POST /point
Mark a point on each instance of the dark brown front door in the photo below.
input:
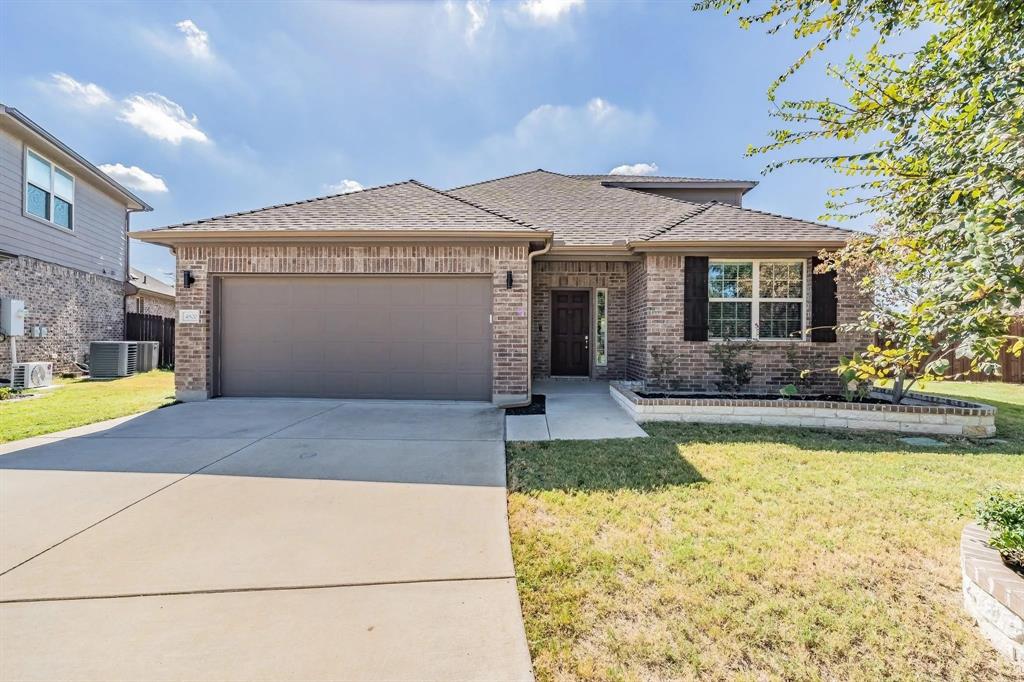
(570, 333)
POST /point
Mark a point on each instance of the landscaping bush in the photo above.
(1002, 513)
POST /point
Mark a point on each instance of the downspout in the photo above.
(529, 325)
(127, 275)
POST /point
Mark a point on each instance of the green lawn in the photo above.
(82, 401)
(748, 553)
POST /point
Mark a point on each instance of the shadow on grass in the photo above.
(641, 464)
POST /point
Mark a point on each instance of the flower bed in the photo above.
(918, 414)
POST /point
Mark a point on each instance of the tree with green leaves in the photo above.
(932, 139)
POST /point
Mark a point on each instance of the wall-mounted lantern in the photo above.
(187, 280)
(508, 279)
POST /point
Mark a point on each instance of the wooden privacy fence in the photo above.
(1013, 366)
(142, 327)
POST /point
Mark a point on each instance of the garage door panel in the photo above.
(360, 336)
(439, 357)
(407, 322)
(375, 293)
(470, 324)
(438, 323)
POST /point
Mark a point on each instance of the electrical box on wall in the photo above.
(12, 317)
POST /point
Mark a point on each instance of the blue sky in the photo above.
(208, 108)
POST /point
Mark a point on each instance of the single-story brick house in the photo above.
(405, 291)
(148, 294)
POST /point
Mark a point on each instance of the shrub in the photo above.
(1002, 513)
(736, 375)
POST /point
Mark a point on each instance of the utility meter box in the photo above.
(12, 317)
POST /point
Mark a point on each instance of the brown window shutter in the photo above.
(823, 304)
(695, 298)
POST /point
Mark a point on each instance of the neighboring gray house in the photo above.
(63, 244)
(149, 295)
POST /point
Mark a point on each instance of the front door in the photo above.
(570, 333)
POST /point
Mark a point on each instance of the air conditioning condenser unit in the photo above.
(31, 374)
(113, 358)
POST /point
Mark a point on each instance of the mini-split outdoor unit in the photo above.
(149, 355)
(31, 374)
(113, 358)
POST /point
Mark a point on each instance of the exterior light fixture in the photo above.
(188, 280)
(508, 279)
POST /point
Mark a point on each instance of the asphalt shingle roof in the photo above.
(402, 206)
(725, 222)
(577, 211)
(583, 212)
(147, 282)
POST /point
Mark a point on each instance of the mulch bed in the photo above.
(537, 406)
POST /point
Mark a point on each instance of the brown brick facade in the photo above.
(510, 329)
(591, 275)
(75, 307)
(658, 282)
(149, 305)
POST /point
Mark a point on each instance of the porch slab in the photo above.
(576, 410)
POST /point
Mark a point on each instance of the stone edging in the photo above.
(993, 594)
(925, 414)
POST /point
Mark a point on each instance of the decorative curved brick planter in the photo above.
(919, 414)
(993, 594)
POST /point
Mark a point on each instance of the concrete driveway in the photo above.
(262, 540)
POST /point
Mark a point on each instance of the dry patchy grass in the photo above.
(745, 553)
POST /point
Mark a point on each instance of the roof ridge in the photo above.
(443, 193)
(668, 228)
(284, 205)
(503, 177)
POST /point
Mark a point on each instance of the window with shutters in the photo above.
(756, 299)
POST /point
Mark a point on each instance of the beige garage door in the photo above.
(425, 338)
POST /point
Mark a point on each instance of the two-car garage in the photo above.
(352, 336)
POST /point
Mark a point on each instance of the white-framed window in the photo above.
(601, 328)
(756, 299)
(49, 191)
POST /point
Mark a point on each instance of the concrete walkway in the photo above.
(576, 410)
(262, 540)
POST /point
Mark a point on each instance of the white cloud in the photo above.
(470, 17)
(548, 11)
(197, 41)
(344, 187)
(134, 177)
(560, 137)
(87, 94)
(161, 118)
(635, 169)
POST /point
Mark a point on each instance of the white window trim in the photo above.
(598, 351)
(756, 299)
(51, 190)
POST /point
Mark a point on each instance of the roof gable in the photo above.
(724, 222)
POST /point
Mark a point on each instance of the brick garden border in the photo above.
(993, 594)
(924, 414)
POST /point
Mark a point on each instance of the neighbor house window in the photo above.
(49, 191)
(601, 303)
(756, 299)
